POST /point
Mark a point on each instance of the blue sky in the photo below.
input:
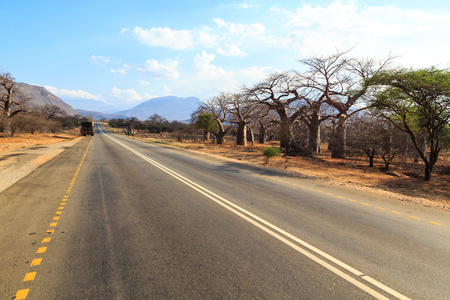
(124, 52)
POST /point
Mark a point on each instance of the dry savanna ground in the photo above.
(404, 183)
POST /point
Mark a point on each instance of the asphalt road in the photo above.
(116, 218)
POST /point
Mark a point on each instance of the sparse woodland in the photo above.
(353, 106)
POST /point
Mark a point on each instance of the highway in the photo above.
(117, 218)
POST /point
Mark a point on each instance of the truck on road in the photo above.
(86, 129)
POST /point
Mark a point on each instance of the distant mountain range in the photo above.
(170, 107)
(96, 116)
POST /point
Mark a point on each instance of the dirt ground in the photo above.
(351, 173)
(24, 140)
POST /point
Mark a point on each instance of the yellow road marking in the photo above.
(36, 262)
(329, 194)
(340, 197)
(395, 212)
(352, 200)
(379, 207)
(53, 224)
(431, 222)
(56, 218)
(319, 191)
(50, 231)
(46, 240)
(41, 250)
(61, 208)
(58, 212)
(412, 217)
(365, 204)
(22, 294)
(63, 203)
(29, 276)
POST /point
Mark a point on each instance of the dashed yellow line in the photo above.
(36, 262)
(41, 250)
(46, 240)
(23, 293)
(29, 276)
(431, 222)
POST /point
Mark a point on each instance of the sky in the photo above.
(124, 52)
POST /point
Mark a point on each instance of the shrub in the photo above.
(269, 152)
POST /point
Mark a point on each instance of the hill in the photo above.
(96, 116)
(39, 96)
(171, 107)
(91, 105)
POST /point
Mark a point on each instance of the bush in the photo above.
(269, 152)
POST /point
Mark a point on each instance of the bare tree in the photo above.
(340, 81)
(11, 99)
(219, 107)
(280, 93)
(51, 111)
(243, 112)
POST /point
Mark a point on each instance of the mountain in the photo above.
(96, 116)
(171, 107)
(91, 105)
(39, 96)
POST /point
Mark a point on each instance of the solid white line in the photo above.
(251, 218)
(385, 288)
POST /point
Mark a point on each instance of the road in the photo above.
(117, 218)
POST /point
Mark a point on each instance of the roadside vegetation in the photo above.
(17, 116)
(358, 112)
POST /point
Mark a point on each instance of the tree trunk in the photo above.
(287, 139)
(339, 139)
(241, 135)
(206, 135)
(262, 134)
(314, 136)
(250, 136)
(371, 161)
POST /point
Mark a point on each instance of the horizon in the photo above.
(123, 54)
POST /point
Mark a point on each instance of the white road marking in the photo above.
(278, 233)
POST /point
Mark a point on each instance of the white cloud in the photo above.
(164, 37)
(420, 37)
(212, 77)
(254, 73)
(205, 37)
(167, 90)
(231, 50)
(143, 82)
(72, 94)
(241, 30)
(128, 95)
(118, 71)
(100, 60)
(152, 68)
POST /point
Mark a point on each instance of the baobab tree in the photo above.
(280, 93)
